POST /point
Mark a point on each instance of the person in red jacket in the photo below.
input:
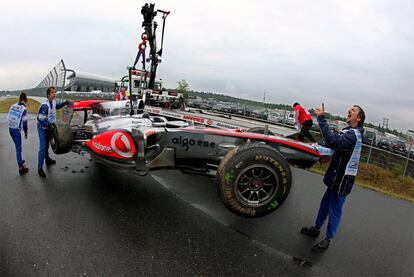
(121, 95)
(303, 119)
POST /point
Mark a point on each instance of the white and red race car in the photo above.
(251, 168)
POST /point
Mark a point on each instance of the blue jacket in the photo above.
(343, 143)
(43, 117)
(22, 115)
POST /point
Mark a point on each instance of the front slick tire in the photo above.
(253, 179)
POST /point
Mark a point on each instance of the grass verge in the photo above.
(376, 178)
(32, 105)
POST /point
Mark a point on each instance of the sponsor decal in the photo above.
(209, 122)
(121, 145)
(194, 118)
(226, 126)
(101, 147)
(114, 144)
(235, 205)
(273, 205)
(152, 110)
(229, 176)
(353, 164)
(170, 114)
(186, 142)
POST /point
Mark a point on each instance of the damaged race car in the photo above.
(251, 168)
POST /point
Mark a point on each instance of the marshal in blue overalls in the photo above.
(17, 120)
(45, 118)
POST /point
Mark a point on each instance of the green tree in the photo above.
(183, 88)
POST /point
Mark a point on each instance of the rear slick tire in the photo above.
(253, 180)
(61, 137)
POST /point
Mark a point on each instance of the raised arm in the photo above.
(345, 141)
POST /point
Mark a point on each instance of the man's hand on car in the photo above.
(68, 102)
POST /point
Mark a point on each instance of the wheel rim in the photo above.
(256, 185)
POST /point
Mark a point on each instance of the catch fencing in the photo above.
(400, 165)
(56, 77)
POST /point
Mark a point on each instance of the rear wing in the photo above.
(85, 105)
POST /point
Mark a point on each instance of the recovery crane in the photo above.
(143, 85)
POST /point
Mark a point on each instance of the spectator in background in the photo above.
(181, 103)
(17, 120)
(303, 120)
(121, 95)
(169, 105)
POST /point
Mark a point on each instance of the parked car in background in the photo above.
(217, 108)
(275, 117)
(384, 143)
(398, 146)
(259, 114)
(290, 119)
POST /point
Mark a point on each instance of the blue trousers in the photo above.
(331, 205)
(43, 145)
(139, 54)
(17, 139)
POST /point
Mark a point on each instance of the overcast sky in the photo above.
(337, 52)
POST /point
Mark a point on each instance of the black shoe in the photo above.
(310, 231)
(50, 161)
(23, 169)
(321, 246)
(41, 173)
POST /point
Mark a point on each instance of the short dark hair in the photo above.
(361, 115)
(23, 97)
(296, 104)
(49, 90)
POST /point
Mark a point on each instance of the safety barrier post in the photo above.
(370, 150)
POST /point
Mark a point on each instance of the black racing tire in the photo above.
(253, 179)
(260, 130)
(61, 137)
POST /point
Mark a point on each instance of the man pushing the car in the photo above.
(341, 173)
(45, 118)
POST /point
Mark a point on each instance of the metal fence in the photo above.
(56, 77)
(399, 164)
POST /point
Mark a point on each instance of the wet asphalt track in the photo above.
(86, 219)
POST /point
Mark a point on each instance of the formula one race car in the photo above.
(251, 167)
